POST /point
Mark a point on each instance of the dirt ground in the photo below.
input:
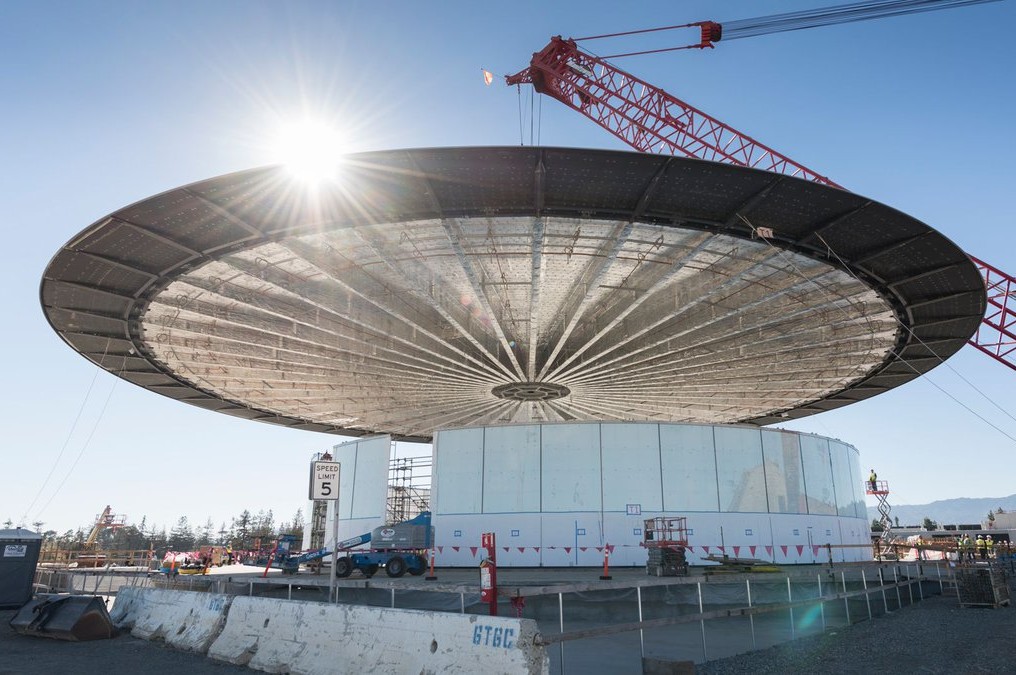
(24, 655)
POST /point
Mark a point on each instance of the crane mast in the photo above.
(649, 119)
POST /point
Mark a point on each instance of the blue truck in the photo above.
(397, 548)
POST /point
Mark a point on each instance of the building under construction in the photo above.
(590, 338)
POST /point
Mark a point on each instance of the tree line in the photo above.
(245, 532)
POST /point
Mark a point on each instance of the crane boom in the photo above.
(644, 116)
(649, 119)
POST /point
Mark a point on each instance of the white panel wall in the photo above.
(458, 471)
(571, 467)
(369, 487)
(363, 486)
(539, 487)
(689, 468)
(511, 469)
(631, 466)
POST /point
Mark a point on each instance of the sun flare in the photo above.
(311, 150)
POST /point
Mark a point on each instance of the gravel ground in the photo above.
(27, 655)
(933, 636)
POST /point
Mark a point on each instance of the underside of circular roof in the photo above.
(448, 287)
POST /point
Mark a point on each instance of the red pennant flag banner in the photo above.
(769, 550)
(800, 549)
(583, 548)
(456, 548)
(506, 549)
(752, 549)
(815, 549)
(440, 549)
(737, 550)
(567, 549)
(705, 549)
(522, 549)
(536, 548)
(784, 548)
(474, 549)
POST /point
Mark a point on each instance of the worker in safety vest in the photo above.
(873, 480)
(968, 552)
(982, 550)
(989, 547)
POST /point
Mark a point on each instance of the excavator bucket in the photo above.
(65, 617)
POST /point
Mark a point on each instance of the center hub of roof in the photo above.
(531, 391)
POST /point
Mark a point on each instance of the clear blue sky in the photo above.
(107, 103)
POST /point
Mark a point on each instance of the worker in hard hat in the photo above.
(989, 547)
(982, 548)
(873, 479)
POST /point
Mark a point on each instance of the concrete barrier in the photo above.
(310, 638)
(185, 620)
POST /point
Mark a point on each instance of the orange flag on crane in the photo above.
(488, 77)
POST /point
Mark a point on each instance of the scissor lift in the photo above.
(880, 490)
(666, 539)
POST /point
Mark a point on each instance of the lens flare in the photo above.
(311, 150)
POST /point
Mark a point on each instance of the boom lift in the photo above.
(398, 548)
(651, 120)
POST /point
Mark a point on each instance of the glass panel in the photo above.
(818, 476)
(689, 468)
(857, 489)
(631, 466)
(511, 469)
(740, 473)
(458, 471)
(784, 477)
(843, 482)
(571, 467)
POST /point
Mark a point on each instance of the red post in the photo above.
(270, 559)
(488, 572)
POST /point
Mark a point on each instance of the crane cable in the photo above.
(88, 440)
(67, 439)
(843, 264)
(535, 118)
(830, 16)
(791, 21)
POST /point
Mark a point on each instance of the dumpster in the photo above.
(19, 554)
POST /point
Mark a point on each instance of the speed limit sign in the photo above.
(324, 480)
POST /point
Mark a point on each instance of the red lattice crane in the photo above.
(650, 120)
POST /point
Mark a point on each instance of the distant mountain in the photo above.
(948, 511)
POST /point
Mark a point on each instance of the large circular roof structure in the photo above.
(446, 287)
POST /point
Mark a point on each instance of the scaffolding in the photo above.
(408, 495)
(408, 488)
